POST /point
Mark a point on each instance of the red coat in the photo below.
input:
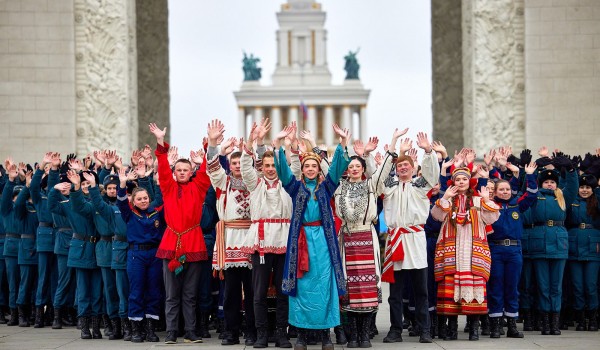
(183, 210)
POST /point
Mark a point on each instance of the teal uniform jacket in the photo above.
(106, 229)
(584, 240)
(27, 219)
(82, 252)
(11, 225)
(551, 242)
(110, 215)
(45, 231)
(62, 226)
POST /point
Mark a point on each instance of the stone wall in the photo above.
(563, 74)
(37, 94)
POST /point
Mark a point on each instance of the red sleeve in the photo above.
(201, 179)
(164, 169)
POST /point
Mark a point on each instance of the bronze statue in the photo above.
(251, 70)
(351, 67)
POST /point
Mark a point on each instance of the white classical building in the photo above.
(302, 77)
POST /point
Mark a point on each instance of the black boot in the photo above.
(442, 326)
(96, 333)
(537, 320)
(494, 327)
(452, 330)
(473, 327)
(281, 339)
(565, 317)
(365, 340)
(117, 331)
(340, 335)
(502, 325)
(512, 331)
(136, 332)
(204, 321)
(312, 337)
(593, 320)
(69, 317)
(485, 325)
(150, 335)
(3, 319)
(39, 317)
(352, 331)
(23, 318)
(262, 339)
(433, 327)
(326, 343)
(57, 322)
(85, 328)
(230, 337)
(527, 320)
(580, 316)
(108, 328)
(126, 328)
(545, 323)
(301, 339)
(48, 316)
(292, 331)
(555, 324)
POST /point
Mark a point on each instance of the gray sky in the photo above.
(207, 38)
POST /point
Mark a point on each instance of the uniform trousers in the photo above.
(45, 269)
(63, 285)
(261, 279)
(89, 292)
(419, 287)
(549, 275)
(181, 290)
(109, 292)
(503, 284)
(3, 297)
(145, 284)
(584, 275)
(12, 277)
(205, 298)
(27, 276)
(122, 283)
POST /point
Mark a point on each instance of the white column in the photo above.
(283, 47)
(346, 117)
(362, 121)
(294, 50)
(328, 133)
(275, 121)
(258, 114)
(293, 114)
(319, 48)
(242, 121)
(311, 123)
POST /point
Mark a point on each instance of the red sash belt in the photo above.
(261, 233)
(220, 243)
(303, 248)
(394, 251)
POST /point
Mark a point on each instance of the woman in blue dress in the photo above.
(313, 273)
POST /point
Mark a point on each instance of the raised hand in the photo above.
(307, 135)
(111, 158)
(439, 147)
(399, 133)
(172, 155)
(371, 144)
(484, 192)
(100, 156)
(344, 134)
(359, 148)
(73, 176)
(513, 168)
(46, 160)
(469, 156)
(197, 157)
(122, 178)
(28, 176)
(483, 172)
(530, 168)
(543, 151)
(12, 172)
(405, 145)
(89, 177)
(423, 142)
(56, 161)
(216, 129)
(451, 192)
(446, 164)
(160, 134)
(75, 164)
(228, 146)
(412, 153)
(378, 159)
(62, 186)
(286, 132)
(262, 130)
(253, 134)
(488, 157)
(140, 170)
(135, 156)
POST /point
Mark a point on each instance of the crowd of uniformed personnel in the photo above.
(237, 237)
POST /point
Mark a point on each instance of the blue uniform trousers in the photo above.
(89, 292)
(12, 276)
(503, 284)
(27, 274)
(3, 298)
(145, 283)
(122, 282)
(431, 284)
(111, 298)
(584, 275)
(65, 276)
(549, 274)
(205, 298)
(45, 267)
(527, 286)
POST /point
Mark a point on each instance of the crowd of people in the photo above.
(283, 240)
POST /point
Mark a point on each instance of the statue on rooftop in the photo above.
(351, 67)
(251, 70)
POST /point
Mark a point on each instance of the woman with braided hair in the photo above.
(462, 259)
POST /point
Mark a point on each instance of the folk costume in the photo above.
(266, 242)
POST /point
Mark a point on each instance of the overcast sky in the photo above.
(207, 38)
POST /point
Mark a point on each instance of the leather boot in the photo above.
(96, 333)
(3, 319)
(433, 329)
(85, 328)
(23, 318)
(150, 335)
(126, 329)
(14, 318)
(593, 320)
(281, 339)
(545, 323)
(301, 339)
(262, 339)
(353, 331)
(473, 327)
(117, 332)
(580, 316)
(326, 343)
(452, 330)
(204, 321)
(69, 317)
(485, 324)
(340, 335)
(230, 337)
(494, 327)
(512, 331)
(136, 332)
(527, 320)
(57, 322)
(108, 328)
(39, 317)
(555, 324)
(48, 315)
(365, 327)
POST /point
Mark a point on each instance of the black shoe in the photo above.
(494, 327)
(527, 320)
(473, 327)
(250, 338)
(593, 320)
(363, 333)
(512, 331)
(580, 316)
(85, 328)
(281, 339)
(96, 333)
(23, 319)
(485, 325)
(57, 322)
(231, 338)
(326, 343)
(262, 339)
(171, 337)
(452, 329)
(301, 340)
(108, 328)
(555, 323)
(3, 319)
(442, 325)
(117, 332)
(126, 328)
(204, 325)
(545, 323)
(39, 317)
(340, 335)
(393, 336)
(14, 318)
(353, 331)
(191, 337)
(150, 335)
(425, 337)
(136, 332)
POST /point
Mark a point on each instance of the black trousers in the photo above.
(181, 290)
(261, 276)
(418, 279)
(237, 278)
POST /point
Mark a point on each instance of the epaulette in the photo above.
(420, 182)
(391, 181)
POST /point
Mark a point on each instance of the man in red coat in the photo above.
(182, 245)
